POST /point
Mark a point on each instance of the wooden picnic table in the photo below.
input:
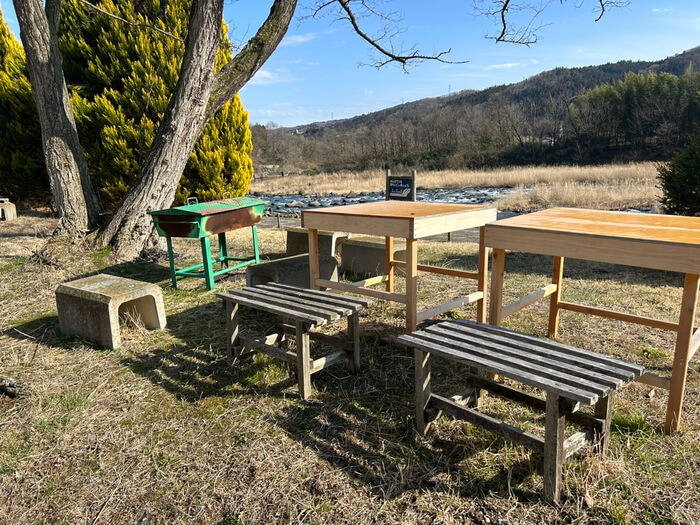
(661, 242)
(410, 221)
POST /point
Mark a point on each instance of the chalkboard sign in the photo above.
(402, 188)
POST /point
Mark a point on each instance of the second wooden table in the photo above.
(410, 221)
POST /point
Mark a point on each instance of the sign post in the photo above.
(401, 187)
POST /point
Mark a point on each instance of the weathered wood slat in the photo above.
(345, 287)
(500, 369)
(579, 440)
(453, 272)
(326, 339)
(527, 370)
(619, 316)
(534, 443)
(528, 300)
(274, 309)
(371, 281)
(547, 345)
(328, 360)
(573, 369)
(274, 351)
(339, 309)
(333, 298)
(451, 305)
(285, 301)
(656, 380)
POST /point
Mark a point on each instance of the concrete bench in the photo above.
(290, 270)
(307, 310)
(571, 378)
(328, 242)
(8, 211)
(91, 307)
(366, 256)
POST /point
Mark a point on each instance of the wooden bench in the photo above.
(307, 309)
(572, 379)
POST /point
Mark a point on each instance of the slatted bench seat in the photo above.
(571, 377)
(308, 310)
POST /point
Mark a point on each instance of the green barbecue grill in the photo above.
(199, 220)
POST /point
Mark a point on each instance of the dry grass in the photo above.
(163, 431)
(604, 187)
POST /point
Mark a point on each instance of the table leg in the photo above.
(422, 373)
(206, 260)
(411, 285)
(557, 275)
(255, 244)
(496, 297)
(171, 259)
(313, 259)
(482, 272)
(681, 355)
(389, 267)
(223, 250)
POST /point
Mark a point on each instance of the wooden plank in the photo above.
(336, 301)
(555, 300)
(576, 442)
(371, 281)
(529, 365)
(453, 272)
(303, 361)
(544, 383)
(654, 380)
(422, 361)
(318, 337)
(549, 360)
(548, 346)
(451, 305)
(603, 411)
(310, 305)
(482, 277)
(619, 316)
(280, 300)
(555, 423)
(528, 300)
(369, 225)
(435, 224)
(354, 341)
(314, 268)
(411, 285)
(278, 310)
(498, 260)
(389, 263)
(515, 434)
(681, 354)
(394, 297)
(321, 294)
(279, 353)
(326, 361)
(694, 344)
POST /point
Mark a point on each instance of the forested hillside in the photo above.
(612, 112)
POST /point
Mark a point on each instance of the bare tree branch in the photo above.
(134, 24)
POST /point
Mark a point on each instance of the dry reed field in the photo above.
(163, 430)
(620, 186)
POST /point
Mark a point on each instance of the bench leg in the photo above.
(303, 361)
(555, 422)
(354, 337)
(555, 298)
(232, 319)
(603, 410)
(422, 365)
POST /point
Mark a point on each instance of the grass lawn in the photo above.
(163, 430)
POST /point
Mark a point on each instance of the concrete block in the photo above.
(291, 270)
(366, 256)
(8, 211)
(91, 307)
(328, 242)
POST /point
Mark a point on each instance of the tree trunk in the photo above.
(72, 191)
(192, 104)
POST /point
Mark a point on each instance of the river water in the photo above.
(291, 205)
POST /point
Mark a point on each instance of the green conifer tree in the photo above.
(121, 75)
(22, 170)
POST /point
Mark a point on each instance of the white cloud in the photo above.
(664, 10)
(295, 40)
(507, 65)
(266, 77)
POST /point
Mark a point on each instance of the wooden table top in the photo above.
(665, 242)
(405, 219)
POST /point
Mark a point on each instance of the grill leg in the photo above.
(171, 259)
(206, 260)
(255, 244)
(223, 250)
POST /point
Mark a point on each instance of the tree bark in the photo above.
(193, 103)
(73, 195)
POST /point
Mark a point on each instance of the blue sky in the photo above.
(316, 74)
